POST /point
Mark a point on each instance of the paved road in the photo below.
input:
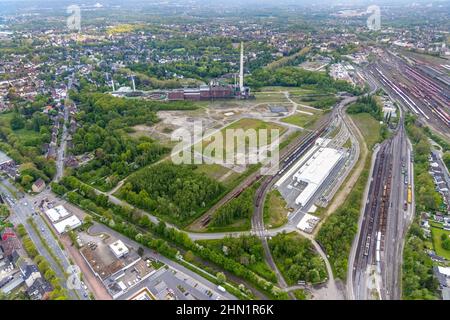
(99, 228)
(61, 153)
(23, 209)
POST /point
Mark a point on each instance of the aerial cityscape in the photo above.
(204, 150)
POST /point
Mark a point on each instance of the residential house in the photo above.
(38, 185)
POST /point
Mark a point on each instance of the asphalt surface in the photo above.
(99, 228)
(23, 209)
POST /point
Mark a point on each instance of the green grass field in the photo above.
(436, 235)
(302, 120)
(218, 172)
(370, 128)
(26, 137)
(275, 212)
(245, 124)
(274, 97)
(292, 90)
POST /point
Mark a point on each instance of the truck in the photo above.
(409, 194)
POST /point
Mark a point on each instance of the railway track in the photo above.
(288, 157)
(371, 238)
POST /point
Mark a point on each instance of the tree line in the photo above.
(418, 280)
(137, 226)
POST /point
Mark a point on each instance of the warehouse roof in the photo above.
(315, 171)
(57, 213)
(71, 222)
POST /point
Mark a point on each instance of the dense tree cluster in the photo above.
(246, 250)
(297, 259)
(238, 208)
(209, 66)
(175, 192)
(22, 137)
(427, 198)
(104, 121)
(116, 155)
(366, 104)
(418, 281)
(296, 77)
(337, 233)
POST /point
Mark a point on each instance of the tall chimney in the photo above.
(241, 71)
(112, 81)
(134, 85)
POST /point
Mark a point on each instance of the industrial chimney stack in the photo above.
(241, 70)
(134, 85)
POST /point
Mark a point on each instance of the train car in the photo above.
(366, 249)
(409, 194)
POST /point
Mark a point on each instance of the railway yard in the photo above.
(376, 257)
(422, 88)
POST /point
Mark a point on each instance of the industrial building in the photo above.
(57, 213)
(314, 172)
(70, 223)
(118, 267)
(214, 90)
(208, 92)
(119, 249)
(62, 219)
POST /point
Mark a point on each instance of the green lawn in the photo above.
(244, 124)
(436, 235)
(302, 120)
(292, 90)
(275, 212)
(216, 172)
(369, 127)
(26, 137)
(243, 224)
(274, 97)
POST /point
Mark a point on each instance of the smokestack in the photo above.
(134, 85)
(241, 71)
(112, 81)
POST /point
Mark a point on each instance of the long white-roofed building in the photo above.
(315, 171)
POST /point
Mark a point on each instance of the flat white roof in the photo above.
(320, 142)
(57, 213)
(71, 222)
(118, 248)
(445, 271)
(315, 171)
(4, 158)
(308, 222)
